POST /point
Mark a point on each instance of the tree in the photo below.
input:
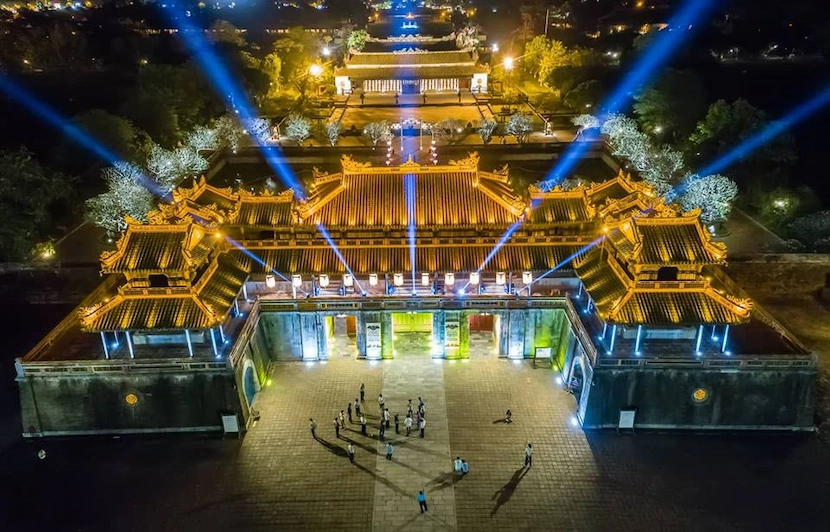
(126, 196)
(156, 117)
(448, 130)
(626, 140)
(520, 125)
(586, 95)
(377, 132)
(586, 121)
(357, 40)
(224, 32)
(259, 129)
(672, 106)
(486, 130)
(169, 168)
(228, 131)
(712, 194)
(298, 128)
(333, 132)
(467, 37)
(661, 168)
(272, 67)
(726, 126)
(117, 134)
(204, 138)
(30, 197)
(813, 230)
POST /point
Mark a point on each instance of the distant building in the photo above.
(411, 54)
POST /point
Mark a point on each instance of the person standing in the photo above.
(528, 455)
(408, 424)
(362, 391)
(425, 98)
(337, 428)
(457, 464)
(422, 425)
(350, 450)
(409, 408)
(386, 417)
(362, 424)
(381, 403)
(356, 407)
(421, 404)
(508, 418)
(312, 425)
(342, 420)
(422, 501)
(397, 424)
(349, 410)
(381, 430)
(465, 468)
(389, 450)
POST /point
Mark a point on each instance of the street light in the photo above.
(508, 63)
(495, 47)
(315, 70)
(326, 51)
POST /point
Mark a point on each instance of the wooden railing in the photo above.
(244, 337)
(75, 367)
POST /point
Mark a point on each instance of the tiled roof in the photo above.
(158, 248)
(219, 290)
(510, 257)
(411, 72)
(602, 282)
(681, 242)
(415, 58)
(257, 212)
(451, 198)
(565, 209)
(142, 313)
(680, 307)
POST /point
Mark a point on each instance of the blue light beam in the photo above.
(65, 126)
(665, 44)
(230, 90)
(409, 191)
(339, 255)
(791, 119)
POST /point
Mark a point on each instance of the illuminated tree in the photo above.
(258, 128)
(377, 132)
(204, 138)
(626, 139)
(225, 32)
(298, 128)
(228, 131)
(448, 130)
(585, 121)
(520, 126)
(357, 40)
(671, 107)
(488, 127)
(467, 37)
(662, 166)
(126, 196)
(333, 132)
(712, 194)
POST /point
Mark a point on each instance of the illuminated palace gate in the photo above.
(620, 293)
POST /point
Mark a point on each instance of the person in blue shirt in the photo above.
(465, 468)
(422, 501)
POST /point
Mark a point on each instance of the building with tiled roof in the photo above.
(608, 284)
(411, 54)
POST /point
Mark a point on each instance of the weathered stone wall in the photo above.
(740, 399)
(281, 336)
(96, 402)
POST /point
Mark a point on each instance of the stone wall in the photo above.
(167, 400)
(734, 399)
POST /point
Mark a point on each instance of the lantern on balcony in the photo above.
(373, 279)
(424, 279)
(449, 279)
(501, 278)
(398, 279)
(474, 278)
(527, 277)
(270, 282)
(297, 280)
(324, 280)
(348, 280)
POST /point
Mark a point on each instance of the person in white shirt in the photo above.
(408, 424)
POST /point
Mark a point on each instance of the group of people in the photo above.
(414, 418)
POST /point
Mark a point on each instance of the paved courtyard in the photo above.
(278, 477)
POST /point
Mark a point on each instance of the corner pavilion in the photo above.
(619, 293)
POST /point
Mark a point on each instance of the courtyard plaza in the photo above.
(278, 477)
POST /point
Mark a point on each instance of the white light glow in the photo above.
(474, 278)
(348, 280)
(527, 277)
(297, 280)
(324, 280)
(270, 282)
(449, 279)
(373, 279)
(501, 278)
(424, 279)
(398, 279)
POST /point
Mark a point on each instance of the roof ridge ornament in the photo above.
(351, 165)
(470, 162)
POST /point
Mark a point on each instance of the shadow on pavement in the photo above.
(507, 490)
(444, 480)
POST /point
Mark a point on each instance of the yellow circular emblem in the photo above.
(700, 395)
(131, 399)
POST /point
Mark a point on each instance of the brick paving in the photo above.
(279, 478)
